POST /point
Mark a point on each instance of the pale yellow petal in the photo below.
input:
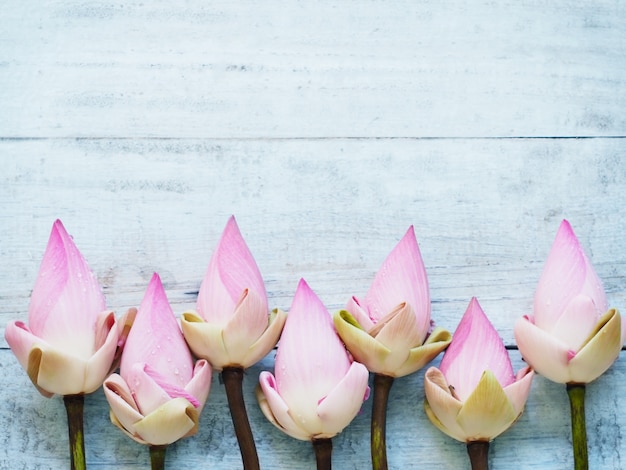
(600, 350)
(170, 422)
(487, 412)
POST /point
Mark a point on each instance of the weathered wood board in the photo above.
(327, 129)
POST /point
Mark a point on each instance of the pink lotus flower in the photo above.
(474, 395)
(70, 343)
(317, 389)
(233, 326)
(389, 330)
(571, 336)
(159, 394)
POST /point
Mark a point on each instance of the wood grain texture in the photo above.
(485, 213)
(323, 69)
(327, 129)
(539, 440)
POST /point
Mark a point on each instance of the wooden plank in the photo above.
(329, 69)
(540, 439)
(485, 213)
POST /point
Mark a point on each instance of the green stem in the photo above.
(478, 452)
(382, 385)
(323, 449)
(74, 408)
(576, 393)
(233, 382)
(157, 457)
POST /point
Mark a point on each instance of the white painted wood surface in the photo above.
(327, 128)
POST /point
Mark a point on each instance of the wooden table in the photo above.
(327, 128)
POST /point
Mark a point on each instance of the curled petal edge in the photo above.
(275, 409)
(170, 422)
(344, 401)
(363, 347)
(436, 342)
(441, 406)
(205, 340)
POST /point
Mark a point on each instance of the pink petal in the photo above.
(518, 391)
(66, 298)
(475, 348)
(546, 354)
(200, 383)
(155, 339)
(311, 359)
(20, 340)
(171, 389)
(576, 323)
(566, 274)
(232, 269)
(147, 392)
(401, 278)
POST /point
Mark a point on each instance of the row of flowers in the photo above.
(72, 345)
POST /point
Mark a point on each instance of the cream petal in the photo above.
(362, 346)
(436, 342)
(117, 423)
(249, 321)
(440, 406)
(343, 403)
(268, 339)
(487, 412)
(121, 401)
(99, 365)
(399, 333)
(543, 352)
(58, 372)
(275, 409)
(205, 340)
(434, 419)
(170, 422)
(600, 351)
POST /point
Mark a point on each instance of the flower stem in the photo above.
(74, 408)
(323, 449)
(157, 457)
(479, 454)
(576, 393)
(233, 381)
(382, 385)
